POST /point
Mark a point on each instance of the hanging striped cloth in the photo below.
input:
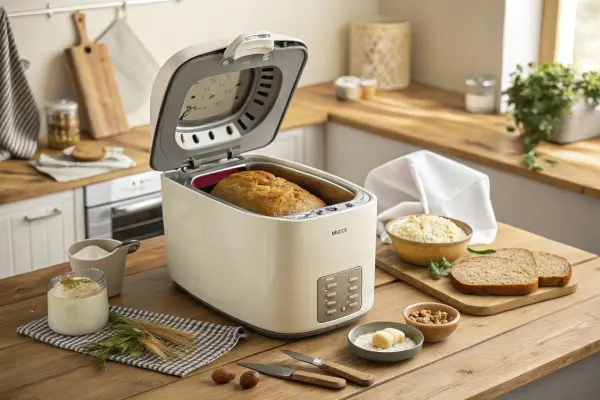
(19, 117)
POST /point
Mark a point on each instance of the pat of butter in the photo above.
(383, 339)
(398, 335)
(92, 252)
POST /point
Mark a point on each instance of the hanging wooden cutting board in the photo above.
(95, 84)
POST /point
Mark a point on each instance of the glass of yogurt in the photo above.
(78, 302)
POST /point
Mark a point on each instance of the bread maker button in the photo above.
(343, 308)
(329, 278)
(353, 279)
(354, 304)
(352, 288)
(331, 311)
(331, 209)
(349, 205)
(331, 294)
(330, 303)
(331, 285)
(353, 296)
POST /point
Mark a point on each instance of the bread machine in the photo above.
(291, 276)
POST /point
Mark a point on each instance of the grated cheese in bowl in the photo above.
(428, 229)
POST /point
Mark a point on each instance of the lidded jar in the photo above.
(63, 124)
(480, 94)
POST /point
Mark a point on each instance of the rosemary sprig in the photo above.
(136, 337)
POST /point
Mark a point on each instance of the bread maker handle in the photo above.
(248, 44)
(137, 207)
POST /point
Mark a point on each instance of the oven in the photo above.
(125, 208)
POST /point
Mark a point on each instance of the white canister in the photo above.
(480, 94)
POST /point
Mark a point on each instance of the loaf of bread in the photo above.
(263, 193)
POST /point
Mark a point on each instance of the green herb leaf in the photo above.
(552, 160)
(511, 128)
(434, 269)
(487, 251)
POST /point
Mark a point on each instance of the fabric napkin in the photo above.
(212, 342)
(63, 168)
(424, 180)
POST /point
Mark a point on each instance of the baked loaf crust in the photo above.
(263, 193)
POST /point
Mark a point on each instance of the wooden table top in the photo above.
(552, 334)
(423, 116)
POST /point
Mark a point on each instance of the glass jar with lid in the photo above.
(63, 124)
(480, 94)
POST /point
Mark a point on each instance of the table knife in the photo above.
(299, 376)
(336, 369)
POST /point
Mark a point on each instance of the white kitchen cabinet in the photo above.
(302, 145)
(562, 215)
(36, 233)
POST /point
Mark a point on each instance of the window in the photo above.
(570, 33)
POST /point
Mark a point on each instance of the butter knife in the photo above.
(299, 376)
(336, 369)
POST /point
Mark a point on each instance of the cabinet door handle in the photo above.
(53, 213)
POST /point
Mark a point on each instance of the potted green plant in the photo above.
(552, 102)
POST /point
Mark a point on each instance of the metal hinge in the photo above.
(210, 158)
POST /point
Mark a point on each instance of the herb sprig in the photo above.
(486, 251)
(439, 269)
(137, 337)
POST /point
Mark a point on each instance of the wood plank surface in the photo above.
(56, 373)
(25, 286)
(494, 367)
(390, 300)
(443, 290)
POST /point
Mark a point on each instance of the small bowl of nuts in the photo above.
(436, 321)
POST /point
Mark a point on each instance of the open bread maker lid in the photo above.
(215, 101)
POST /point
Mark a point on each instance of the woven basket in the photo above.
(385, 45)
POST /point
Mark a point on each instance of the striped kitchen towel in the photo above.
(19, 117)
(213, 340)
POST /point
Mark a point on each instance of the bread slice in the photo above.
(523, 256)
(553, 270)
(492, 275)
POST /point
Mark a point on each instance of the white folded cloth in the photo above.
(63, 168)
(425, 182)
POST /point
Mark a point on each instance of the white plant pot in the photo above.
(582, 124)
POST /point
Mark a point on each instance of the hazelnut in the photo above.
(221, 376)
(249, 379)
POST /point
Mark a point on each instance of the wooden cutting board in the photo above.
(95, 84)
(442, 289)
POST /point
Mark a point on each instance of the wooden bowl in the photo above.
(421, 253)
(433, 333)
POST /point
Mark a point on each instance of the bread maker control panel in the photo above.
(339, 294)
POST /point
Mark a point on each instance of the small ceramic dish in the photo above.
(433, 332)
(421, 253)
(385, 356)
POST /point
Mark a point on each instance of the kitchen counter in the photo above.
(431, 118)
(485, 357)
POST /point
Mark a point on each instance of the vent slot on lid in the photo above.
(229, 130)
(267, 77)
(263, 94)
(265, 85)
(250, 116)
(259, 102)
(182, 138)
(211, 135)
(195, 138)
(242, 124)
(268, 69)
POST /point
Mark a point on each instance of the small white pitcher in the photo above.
(113, 264)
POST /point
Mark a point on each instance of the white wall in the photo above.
(452, 39)
(167, 27)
